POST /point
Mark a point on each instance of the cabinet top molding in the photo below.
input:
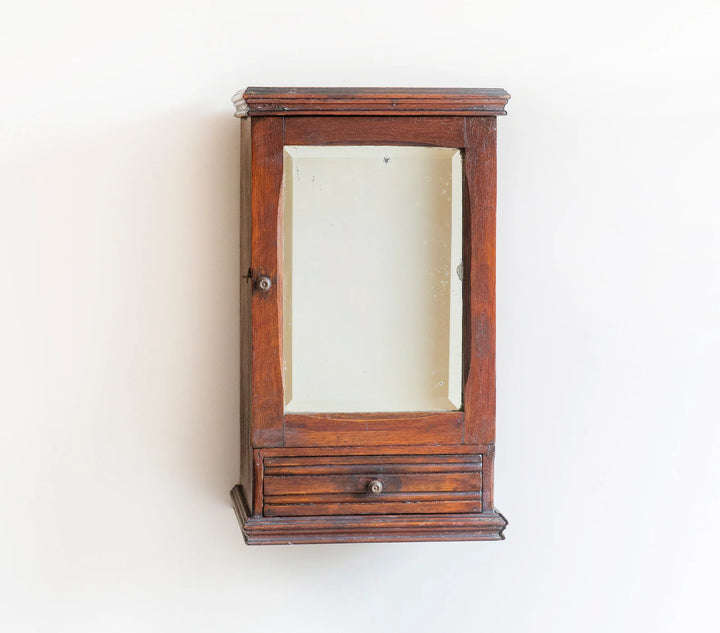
(371, 101)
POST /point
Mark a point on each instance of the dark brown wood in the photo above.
(463, 449)
(304, 477)
(259, 476)
(479, 281)
(409, 130)
(411, 485)
(366, 464)
(354, 497)
(288, 102)
(489, 480)
(304, 430)
(357, 483)
(373, 428)
(246, 457)
(241, 507)
(364, 528)
(410, 428)
(349, 497)
(267, 390)
(375, 467)
(275, 465)
(385, 507)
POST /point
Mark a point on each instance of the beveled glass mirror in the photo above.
(372, 278)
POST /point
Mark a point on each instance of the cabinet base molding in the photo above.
(261, 530)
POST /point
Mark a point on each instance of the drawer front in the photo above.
(393, 484)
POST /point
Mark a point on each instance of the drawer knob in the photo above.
(375, 487)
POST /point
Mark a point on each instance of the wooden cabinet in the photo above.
(367, 314)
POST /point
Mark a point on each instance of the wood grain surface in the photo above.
(305, 476)
(288, 102)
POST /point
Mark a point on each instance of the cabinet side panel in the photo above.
(479, 289)
(488, 465)
(246, 458)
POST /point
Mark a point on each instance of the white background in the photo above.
(119, 346)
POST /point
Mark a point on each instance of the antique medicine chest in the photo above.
(367, 314)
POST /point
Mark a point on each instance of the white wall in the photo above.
(119, 345)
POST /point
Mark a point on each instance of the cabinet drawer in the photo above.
(403, 484)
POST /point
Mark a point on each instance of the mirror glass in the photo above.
(372, 278)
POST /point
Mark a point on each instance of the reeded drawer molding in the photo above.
(260, 530)
(339, 485)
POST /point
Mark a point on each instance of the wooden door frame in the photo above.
(475, 424)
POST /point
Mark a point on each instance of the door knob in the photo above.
(264, 283)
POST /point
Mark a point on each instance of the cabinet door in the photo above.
(373, 264)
